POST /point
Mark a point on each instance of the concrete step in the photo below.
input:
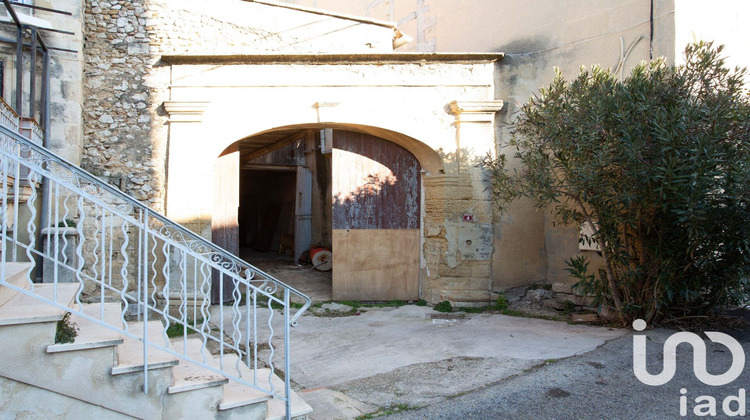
(91, 334)
(15, 274)
(130, 352)
(24, 309)
(235, 393)
(195, 391)
(276, 407)
(237, 396)
(189, 376)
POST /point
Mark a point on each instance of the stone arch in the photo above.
(428, 158)
(402, 239)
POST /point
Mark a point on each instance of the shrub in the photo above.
(659, 164)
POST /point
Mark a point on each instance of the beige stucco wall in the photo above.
(537, 36)
(408, 103)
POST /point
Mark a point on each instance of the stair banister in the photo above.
(155, 274)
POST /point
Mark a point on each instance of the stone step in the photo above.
(91, 334)
(130, 352)
(24, 309)
(277, 409)
(15, 274)
(235, 393)
(189, 376)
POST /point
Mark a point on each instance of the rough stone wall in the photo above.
(125, 85)
(119, 140)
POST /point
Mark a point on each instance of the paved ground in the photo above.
(345, 367)
(598, 385)
(489, 366)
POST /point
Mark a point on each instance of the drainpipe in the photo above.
(19, 71)
(45, 97)
(32, 75)
(44, 219)
(651, 33)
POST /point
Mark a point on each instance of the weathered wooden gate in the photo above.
(376, 219)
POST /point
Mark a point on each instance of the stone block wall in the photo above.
(457, 249)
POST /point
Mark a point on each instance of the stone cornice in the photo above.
(185, 111)
(475, 111)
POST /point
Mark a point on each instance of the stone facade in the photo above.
(126, 84)
(154, 122)
(457, 216)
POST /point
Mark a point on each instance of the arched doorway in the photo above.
(352, 191)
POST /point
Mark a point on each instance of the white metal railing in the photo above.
(126, 252)
(31, 130)
(8, 117)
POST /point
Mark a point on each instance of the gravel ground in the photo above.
(598, 385)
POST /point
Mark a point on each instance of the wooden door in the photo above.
(303, 213)
(376, 219)
(224, 224)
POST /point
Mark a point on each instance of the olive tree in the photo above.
(659, 164)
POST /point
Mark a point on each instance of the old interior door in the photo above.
(376, 216)
(303, 213)
(225, 230)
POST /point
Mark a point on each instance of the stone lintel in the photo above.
(378, 58)
(186, 111)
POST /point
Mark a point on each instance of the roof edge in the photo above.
(333, 58)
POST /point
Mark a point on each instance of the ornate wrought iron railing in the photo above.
(117, 249)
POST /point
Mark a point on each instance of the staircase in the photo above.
(100, 374)
(149, 342)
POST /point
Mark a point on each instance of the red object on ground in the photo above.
(322, 258)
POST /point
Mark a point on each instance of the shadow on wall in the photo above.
(375, 205)
(460, 160)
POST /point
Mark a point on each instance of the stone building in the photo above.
(537, 36)
(303, 120)
(234, 116)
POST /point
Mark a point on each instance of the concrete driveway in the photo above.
(345, 367)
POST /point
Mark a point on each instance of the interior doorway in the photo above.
(266, 211)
